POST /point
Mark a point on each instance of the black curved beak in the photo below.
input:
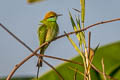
(59, 14)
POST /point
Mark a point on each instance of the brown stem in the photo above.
(23, 61)
(76, 70)
(103, 22)
(88, 70)
(89, 38)
(60, 59)
(14, 36)
(17, 66)
(75, 75)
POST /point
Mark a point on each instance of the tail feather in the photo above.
(39, 63)
(38, 72)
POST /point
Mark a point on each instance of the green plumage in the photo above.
(47, 31)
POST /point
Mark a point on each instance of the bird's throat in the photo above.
(52, 19)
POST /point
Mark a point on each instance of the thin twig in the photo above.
(76, 10)
(77, 71)
(60, 76)
(89, 40)
(88, 69)
(38, 72)
(75, 75)
(98, 23)
(93, 67)
(102, 61)
(17, 66)
(31, 55)
(20, 41)
(60, 59)
(21, 63)
(24, 60)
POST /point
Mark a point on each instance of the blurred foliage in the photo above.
(34, 1)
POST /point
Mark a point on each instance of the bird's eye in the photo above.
(51, 16)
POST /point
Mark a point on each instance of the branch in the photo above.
(88, 70)
(20, 41)
(60, 59)
(103, 22)
(17, 66)
(21, 63)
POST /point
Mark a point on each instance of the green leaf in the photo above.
(111, 56)
(75, 28)
(82, 2)
(75, 46)
(72, 21)
(78, 22)
(80, 36)
(110, 53)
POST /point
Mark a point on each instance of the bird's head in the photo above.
(51, 16)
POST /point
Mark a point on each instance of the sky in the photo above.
(23, 20)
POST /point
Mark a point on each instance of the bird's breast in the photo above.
(52, 31)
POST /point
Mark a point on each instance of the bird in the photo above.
(47, 31)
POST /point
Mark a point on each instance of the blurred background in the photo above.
(23, 20)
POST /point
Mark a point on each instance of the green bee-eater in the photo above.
(47, 31)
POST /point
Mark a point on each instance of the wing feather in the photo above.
(42, 30)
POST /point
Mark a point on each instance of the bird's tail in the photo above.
(39, 63)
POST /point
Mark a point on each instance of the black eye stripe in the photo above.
(51, 16)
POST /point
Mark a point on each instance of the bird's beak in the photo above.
(59, 14)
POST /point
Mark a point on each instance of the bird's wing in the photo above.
(42, 30)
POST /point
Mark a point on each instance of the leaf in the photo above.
(82, 2)
(75, 46)
(34, 1)
(72, 21)
(75, 28)
(110, 53)
(111, 56)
